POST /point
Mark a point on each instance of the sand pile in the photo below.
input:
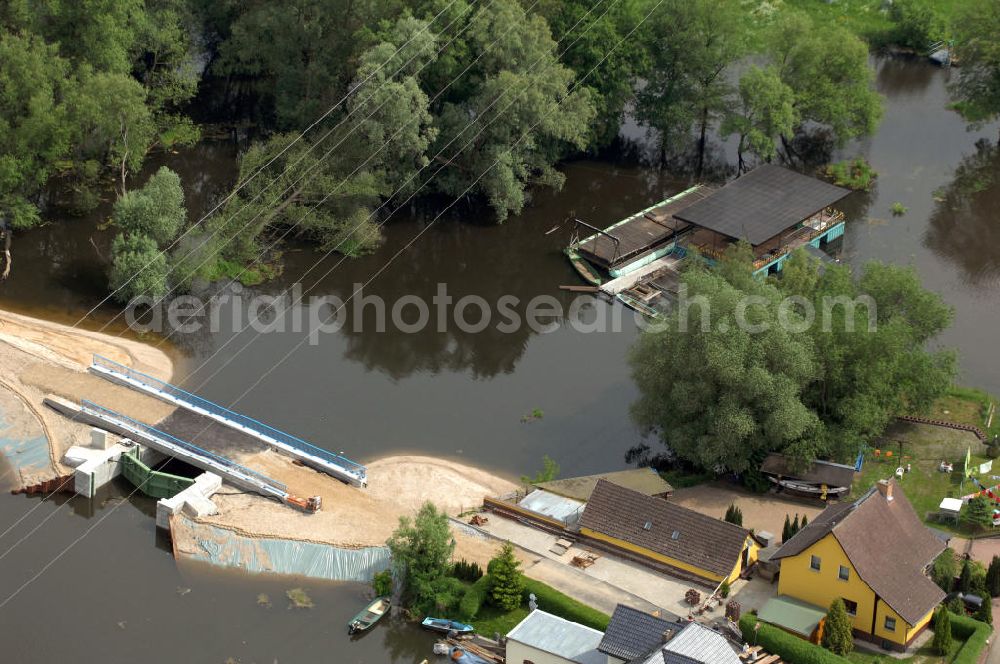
(353, 517)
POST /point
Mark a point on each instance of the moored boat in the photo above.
(368, 616)
(444, 625)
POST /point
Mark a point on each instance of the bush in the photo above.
(943, 570)
(724, 589)
(837, 635)
(734, 515)
(854, 174)
(789, 648)
(467, 571)
(993, 577)
(382, 583)
(918, 25)
(942, 632)
(473, 598)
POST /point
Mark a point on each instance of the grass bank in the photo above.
(869, 19)
(489, 619)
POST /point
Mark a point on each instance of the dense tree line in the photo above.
(477, 98)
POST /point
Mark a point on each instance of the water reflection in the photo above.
(963, 226)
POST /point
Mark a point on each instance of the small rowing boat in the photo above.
(369, 615)
(445, 626)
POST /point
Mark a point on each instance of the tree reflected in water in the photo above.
(964, 227)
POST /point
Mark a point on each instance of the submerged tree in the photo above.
(766, 112)
(870, 337)
(148, 220)
(512, 115)
(329, 187)
(586, 30)
(829, 74)
(690, 45)
(722, 382)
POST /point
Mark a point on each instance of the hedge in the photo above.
(554, 602)
(474, 598)
(790, 648)
(974, 633)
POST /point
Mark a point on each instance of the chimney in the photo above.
(667, 635)
(885, 488)
(765, 537)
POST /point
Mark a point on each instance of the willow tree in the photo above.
(722, 381)
(513, 114)
(828, 71)
(690, 44)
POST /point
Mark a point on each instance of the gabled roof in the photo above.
(664, 527)
(632, 633)
(887, 545)
(558, 636)
(697, 643)
(644, 480)
(766, 201)
(817, 472)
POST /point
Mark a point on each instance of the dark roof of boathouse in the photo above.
(757, 206)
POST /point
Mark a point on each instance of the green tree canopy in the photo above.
(871, 340)
(829, 73)
(156, 210)
(138, 267)
(421, 552)
(526, 115)
(690, 43)
(809, 367)
(34, 134)
(766, 112)
(148, 219)
(506, 581)
(297, 54)
(944, 569)
(942, 632)
(977, 91)
(720, 395)
(585, 40)
(837, 631)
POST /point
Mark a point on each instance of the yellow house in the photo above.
(874, 554)
(693, 544)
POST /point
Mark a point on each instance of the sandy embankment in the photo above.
(38, 358)
(352, 517)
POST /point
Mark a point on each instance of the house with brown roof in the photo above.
(873, 553)
(676, 538)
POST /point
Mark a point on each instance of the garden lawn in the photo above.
(924, 486)
(967, 405)
(490, 619)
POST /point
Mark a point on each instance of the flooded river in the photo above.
(119, 598)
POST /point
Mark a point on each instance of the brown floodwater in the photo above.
(119, 596)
